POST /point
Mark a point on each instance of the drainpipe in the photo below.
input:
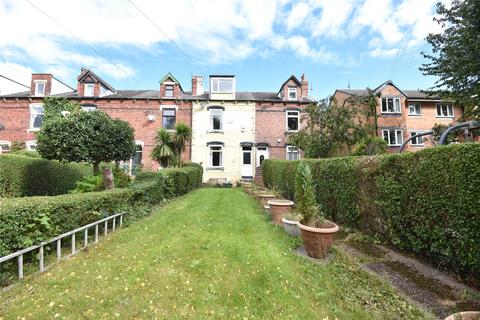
(426, 133)
(469, 124)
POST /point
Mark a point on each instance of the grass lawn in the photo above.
(208, 255)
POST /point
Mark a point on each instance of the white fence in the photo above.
(19, 254)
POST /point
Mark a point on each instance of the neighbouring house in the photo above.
(233, 132)
(403, 113)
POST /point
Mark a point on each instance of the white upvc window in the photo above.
(418, 141)
(414, 109)
(391, 105)
(5, 146)
(444, 110)
(89, 90)
(216, 119)
(293, 120)
(393, 137)
(31, 145)
(37, 115)
(40, 87)
(88, 107)
(216, 156)
(292, 153)
(222, 85)
(169, 91)
(292, 93)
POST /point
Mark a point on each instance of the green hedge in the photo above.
(426, 202)
(28, 220)
(28, 176)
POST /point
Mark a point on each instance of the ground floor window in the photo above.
(418, 141)
(5, 146)
(293, 153)
(216, 155)
(137, 157)
(393, 137)
(31, 145)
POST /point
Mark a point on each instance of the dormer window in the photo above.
(292, 93)
(169, 91)
(222, 85)
(40, 88)
(89, 88)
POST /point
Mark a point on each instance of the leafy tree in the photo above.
(455, 56)
(170, 146)
(370, 146)
(91, 137)
(55, 105)
(331, 128)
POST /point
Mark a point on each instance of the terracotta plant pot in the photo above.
(318, 240)
(264, 197)
(465, 315)
(291, 227)
(279, 208)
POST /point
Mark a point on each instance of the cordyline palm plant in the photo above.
(163, 151)
(305, 196)
(183, 134)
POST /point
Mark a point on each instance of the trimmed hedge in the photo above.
(28, 176)
(427, 202)
(29, 220)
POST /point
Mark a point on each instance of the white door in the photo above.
(262, 154)
(247, 165)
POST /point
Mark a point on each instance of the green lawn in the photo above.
(209, 255)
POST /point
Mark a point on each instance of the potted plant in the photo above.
(290, 224)
(465, 315)
(278, 208)
(317, 232)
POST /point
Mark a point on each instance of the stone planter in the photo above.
(466, 315)
(318, 240)
(264, 197)
(279, 208)
(291, 227)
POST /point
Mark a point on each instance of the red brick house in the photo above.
(403, 113)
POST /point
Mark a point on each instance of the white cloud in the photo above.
(15, 72)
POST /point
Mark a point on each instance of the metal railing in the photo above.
(19, 254)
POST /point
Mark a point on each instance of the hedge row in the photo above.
(26, 221)
(426, 202)
(28, 176)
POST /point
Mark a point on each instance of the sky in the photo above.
(132, 44)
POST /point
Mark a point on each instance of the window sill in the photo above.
(292, 131)
(391, 113)
(215, 131)
(33, 129)
(394, 145)
(445, 117)
(214, 168)
(414, 115)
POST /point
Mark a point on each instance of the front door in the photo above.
(262, 154)
(247, 167)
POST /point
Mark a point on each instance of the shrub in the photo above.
(425, 202)
(26, 153)
(305, 195)
(370, 146)
(26, 176)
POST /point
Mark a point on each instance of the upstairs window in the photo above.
(391, 105)
(444, 110)
(414, 109)
(418, 141)
(169, 91)
(40, 88)
(222, 85)
(292, 93)
(89, 90)
(36, 116)
(293, 153)
(216, 119)
(168, 119)
(293, 120)
(393, 137)
(5, 146)
(216, 156)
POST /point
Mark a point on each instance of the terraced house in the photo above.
(403, 113)
(233, 132)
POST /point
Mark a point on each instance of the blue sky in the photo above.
(133, 43)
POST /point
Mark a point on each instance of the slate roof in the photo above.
(89, 72)
(409, 94)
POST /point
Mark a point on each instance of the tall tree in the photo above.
(455, 55)
(91, 137)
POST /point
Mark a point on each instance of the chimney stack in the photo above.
(41, 85)
(304, 86)
(197, 85)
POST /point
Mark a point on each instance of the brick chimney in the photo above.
(80, 90)
(197, 85)
(41, 85)
(304, 82)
